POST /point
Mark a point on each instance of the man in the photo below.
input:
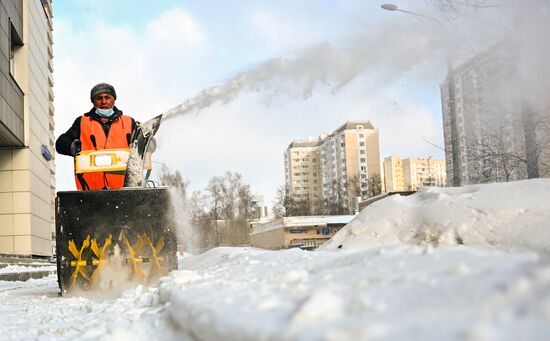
(103, 127)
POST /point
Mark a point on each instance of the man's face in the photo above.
(104, 101)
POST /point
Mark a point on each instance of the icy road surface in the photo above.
(443, 264)
(32, 310)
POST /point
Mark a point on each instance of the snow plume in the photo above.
(532, 24)
(384, 53)
(519, 29)
(187, 234)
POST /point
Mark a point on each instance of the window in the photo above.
(15, 47)
(362, 144)
(362, 159)
(361, 136)
(362, 152)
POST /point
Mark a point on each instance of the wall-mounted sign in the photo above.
(296, 231)
(46, 153)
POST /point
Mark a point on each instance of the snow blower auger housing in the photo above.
(110, 239)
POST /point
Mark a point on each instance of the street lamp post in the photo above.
(456, 179)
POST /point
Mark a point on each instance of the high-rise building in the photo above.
(302, 169)
(411, 174)
(394, 177)
(424, 172)
(336, 168)
(27, 178)
(491, 133)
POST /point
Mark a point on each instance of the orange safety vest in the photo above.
(92, 137)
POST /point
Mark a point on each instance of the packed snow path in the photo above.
(33, 310)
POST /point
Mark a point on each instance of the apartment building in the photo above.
(394, 174)
(492, 131)
(302, 169)
(335, 168)
(411, 174)
(27, 178)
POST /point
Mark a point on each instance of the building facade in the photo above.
(300, 232)
(302, 169)
(394, 174)
(27, 172)
(491, 133)
(335, 168)
(411, 174)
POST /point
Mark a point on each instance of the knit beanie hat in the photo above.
(102, 88)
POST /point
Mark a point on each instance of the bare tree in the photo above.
(230, 198)
(453, 9)
(374, 185)
(354, 186)
(335, 202)
(174, 180)
(288, 205)
(197, 205)
(283, 202)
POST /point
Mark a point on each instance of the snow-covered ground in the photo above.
(22, 268)
(467, 263)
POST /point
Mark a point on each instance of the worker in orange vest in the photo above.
(103, 127)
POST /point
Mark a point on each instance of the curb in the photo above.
(25, 276)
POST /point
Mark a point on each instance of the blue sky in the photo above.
(159, 53)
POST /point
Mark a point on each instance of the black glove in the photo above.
(75, 147)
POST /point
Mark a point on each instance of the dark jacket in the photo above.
(63, 143)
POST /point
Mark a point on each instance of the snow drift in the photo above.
(514, 217)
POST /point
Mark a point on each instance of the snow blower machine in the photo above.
(111, 239)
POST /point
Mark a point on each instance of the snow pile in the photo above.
(389, 293)
(514, 217)
(15, 268)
